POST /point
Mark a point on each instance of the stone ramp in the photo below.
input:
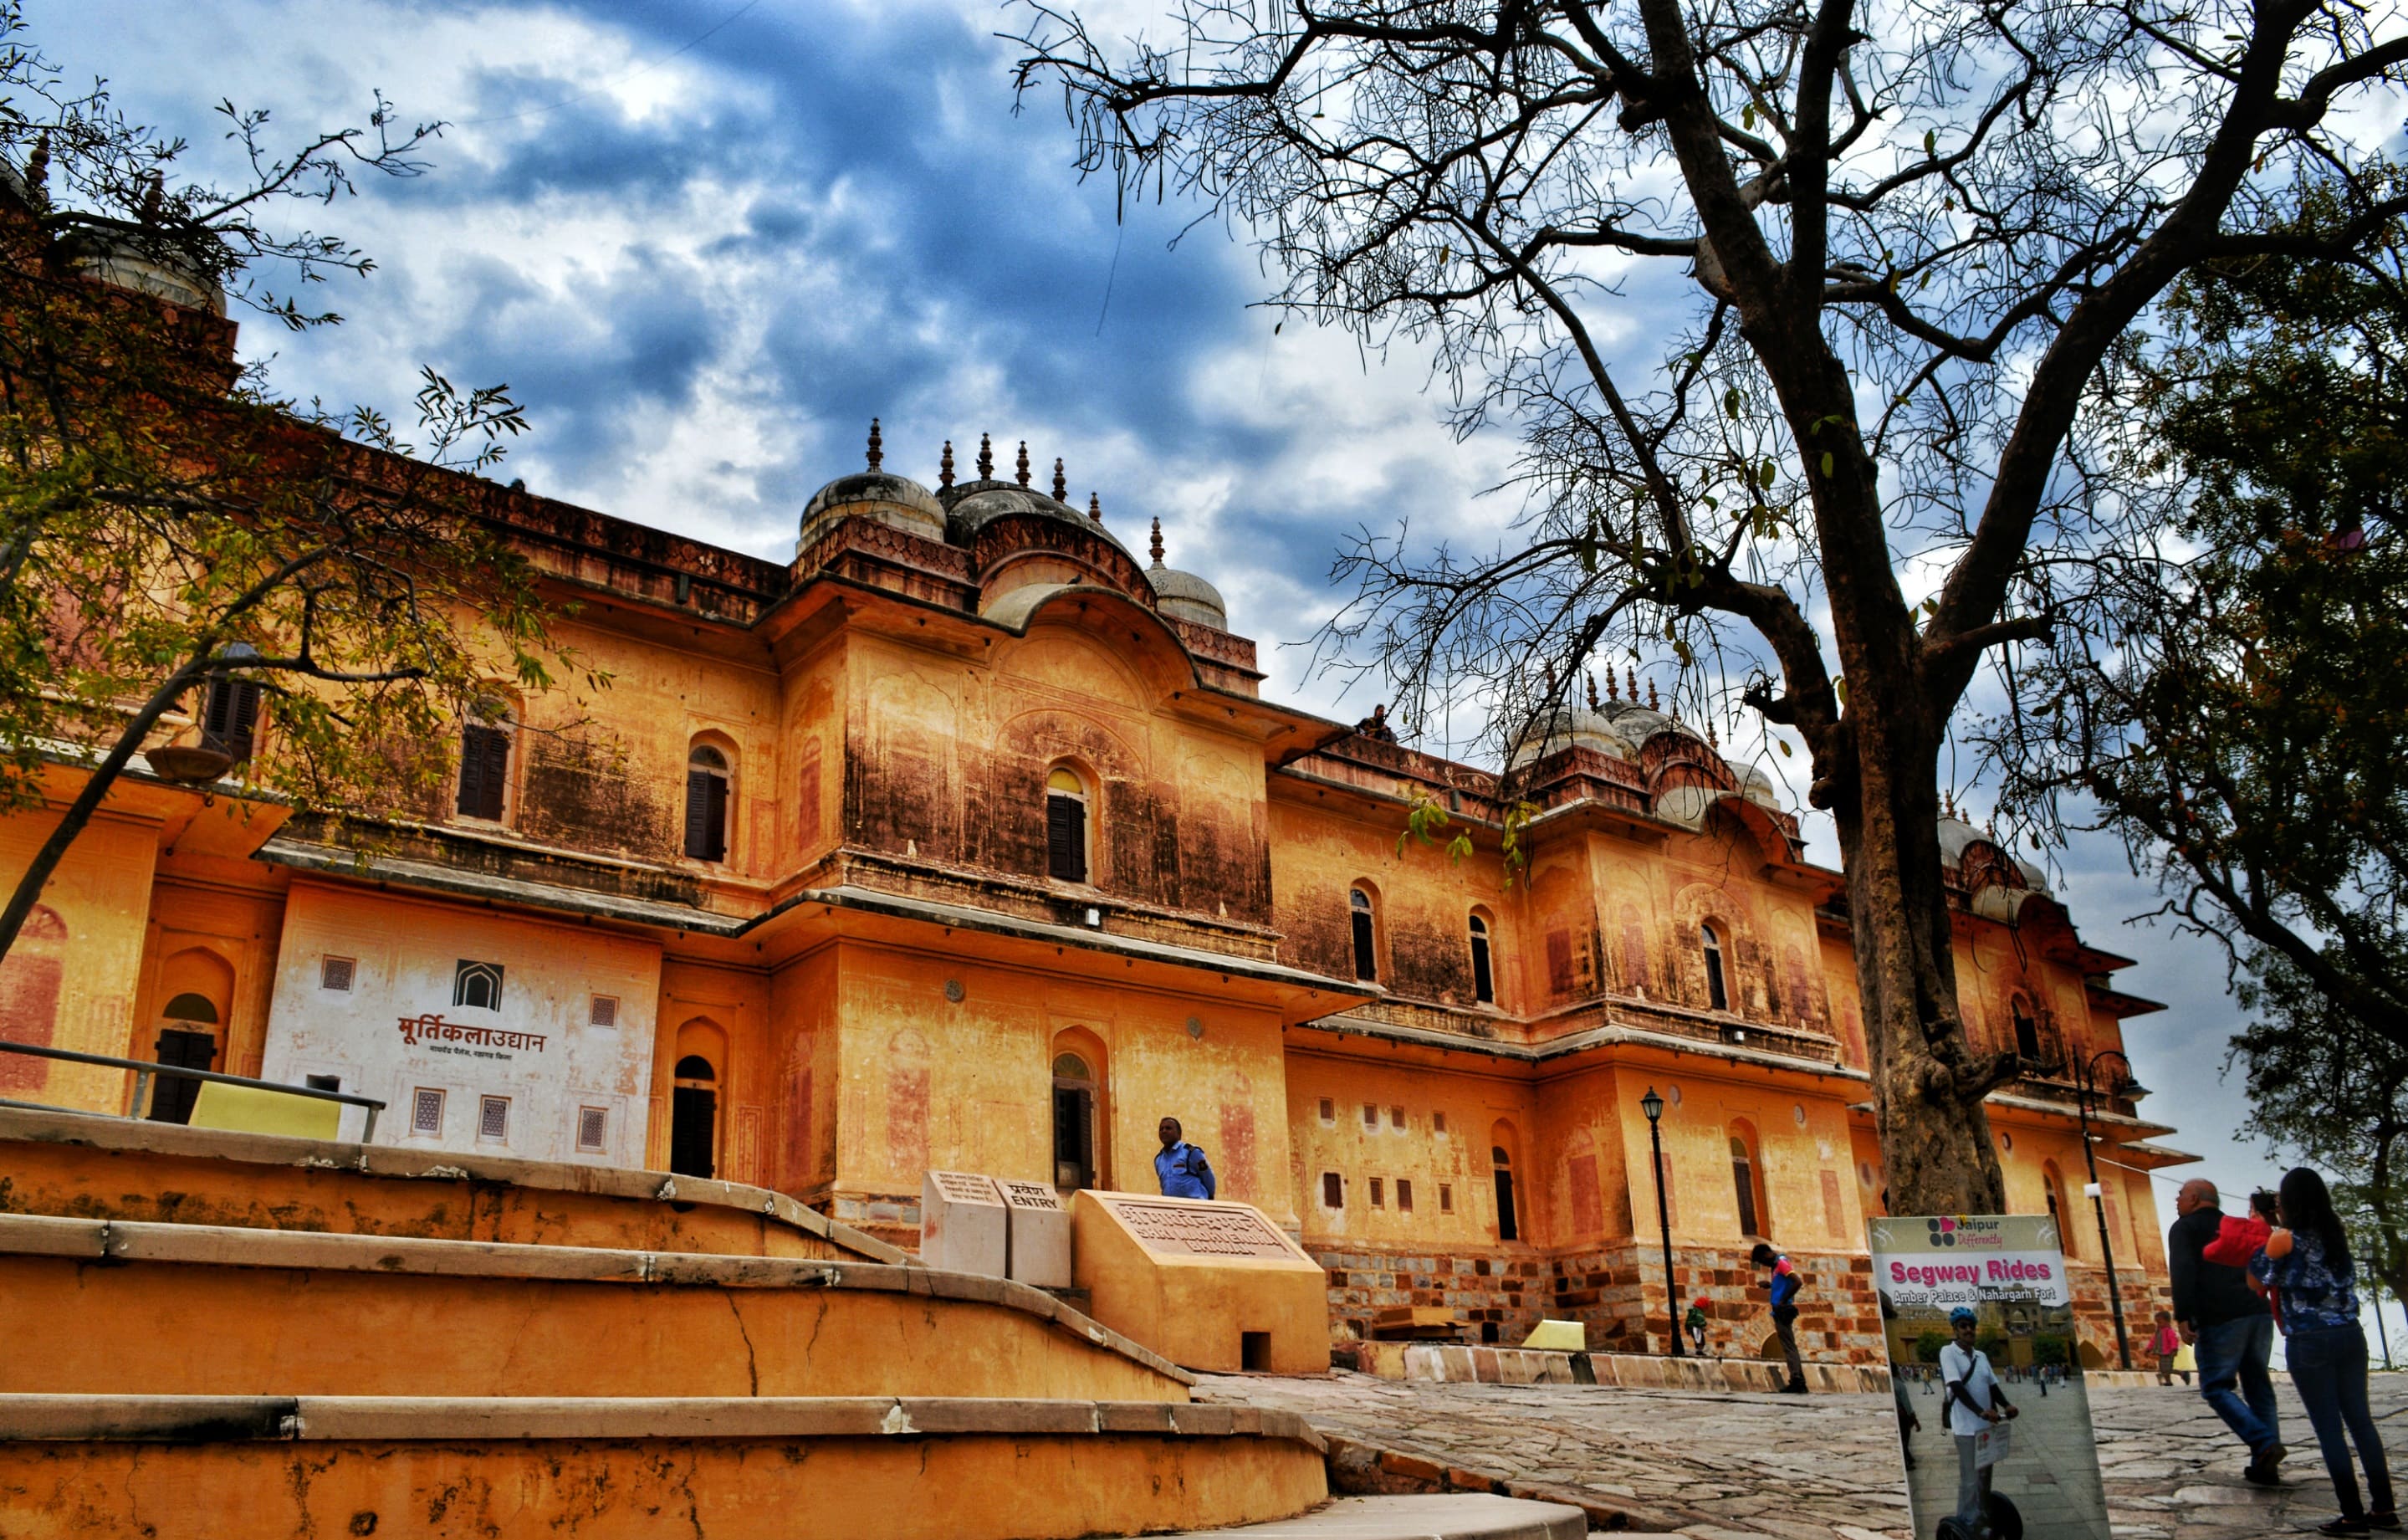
(222, 1310)
(913, 1468)
(1462, 1517)
(114, 1167)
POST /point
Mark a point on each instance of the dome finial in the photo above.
(1632, 674)
(1155, 544)
(1095, 507)
(1591, 679)
(1613, 685)
(876, 446)
(945, 467)
(986, 459)
(1022, 469)
(1061, 484)
(1653, 704)
(1714, 741)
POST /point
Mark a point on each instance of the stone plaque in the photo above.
(963, 1225)
(1201, 1230)
(1040, 1234)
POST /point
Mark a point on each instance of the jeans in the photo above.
(2329, 1369)
(2237, 1349)
(1785, 1324)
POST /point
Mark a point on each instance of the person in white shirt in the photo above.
(1973, 1402)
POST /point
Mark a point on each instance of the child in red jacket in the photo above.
(2240, 1237)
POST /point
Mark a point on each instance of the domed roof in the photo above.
(1567, 727)
(1956, 834)
(983, 502)
(873, 493)
(1183, 594)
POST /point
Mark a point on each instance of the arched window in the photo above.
(694, 1118)
(1074, 1122)
(1483, 979)
(2068, 1233)
(1366, 941)
(476, 984)
(1065, 825)
(1747, 1183)
(2026, 1030)
(1717, 992)
(188, 1040)
(706, 804)
(1508, 1226)
(485, 765)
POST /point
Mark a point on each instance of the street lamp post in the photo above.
(1652, 1105)
(2085, 1085)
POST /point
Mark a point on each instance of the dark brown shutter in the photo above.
(1065, 838)
(1367, 961)
(706, 816)
(1484, 985)
(484, 771)
(232, 713)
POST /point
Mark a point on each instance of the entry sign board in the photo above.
(2044, 1462)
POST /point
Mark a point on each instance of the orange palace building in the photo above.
(967, 840)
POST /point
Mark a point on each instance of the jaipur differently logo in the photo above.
(1944, 1231)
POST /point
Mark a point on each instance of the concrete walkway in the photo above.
(1740, 1467)
(1458, 1515)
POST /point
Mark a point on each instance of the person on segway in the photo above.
(1973, 1402)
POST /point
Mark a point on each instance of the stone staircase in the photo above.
(224, 1334)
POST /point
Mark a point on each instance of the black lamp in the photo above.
(1652, 1105)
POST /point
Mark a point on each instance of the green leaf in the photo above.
(1931, 141)
(1730, 402)
(1765, 474)
(1826, 462)
(1784, 743)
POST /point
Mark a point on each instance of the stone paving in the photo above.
(1768, 1467)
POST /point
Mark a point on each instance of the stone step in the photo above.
(112, 1168)
(1454, 1517)
(914, 1468)
(225, 1310)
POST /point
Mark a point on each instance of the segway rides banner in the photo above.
(1992, 1411)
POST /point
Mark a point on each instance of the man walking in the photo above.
(1181, 1168)
(1784, 1285)
(2216, 1308)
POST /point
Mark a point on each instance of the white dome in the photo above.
(889, 498)
(1187, 596)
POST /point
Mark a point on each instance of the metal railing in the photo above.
(144, 1069)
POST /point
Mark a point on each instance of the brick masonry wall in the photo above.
(1616, 1291)
(1505, 1288)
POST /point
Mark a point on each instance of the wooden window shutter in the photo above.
(484, 771)
(715, 829)
(1065, 838)
(697, 814)
(231, 715)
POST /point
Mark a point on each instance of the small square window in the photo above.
(1378, 1195)
(604, 1012)
(1438, 1122)
(1370, 1118)
(426, 1111)
(1404, 1195)
(493, 1117)
(1329, 1111)
(336, 973)
(1397, 1118)
(1333, 1190)
(591, 1123)
(1445, 1198)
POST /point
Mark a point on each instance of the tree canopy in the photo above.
(1879, 256)
(175, 538)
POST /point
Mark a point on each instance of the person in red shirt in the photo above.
(2166, 1342)
(2239, 1238)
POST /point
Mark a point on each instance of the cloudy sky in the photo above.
(706, 242)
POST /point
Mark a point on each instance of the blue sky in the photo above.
(704, 266)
